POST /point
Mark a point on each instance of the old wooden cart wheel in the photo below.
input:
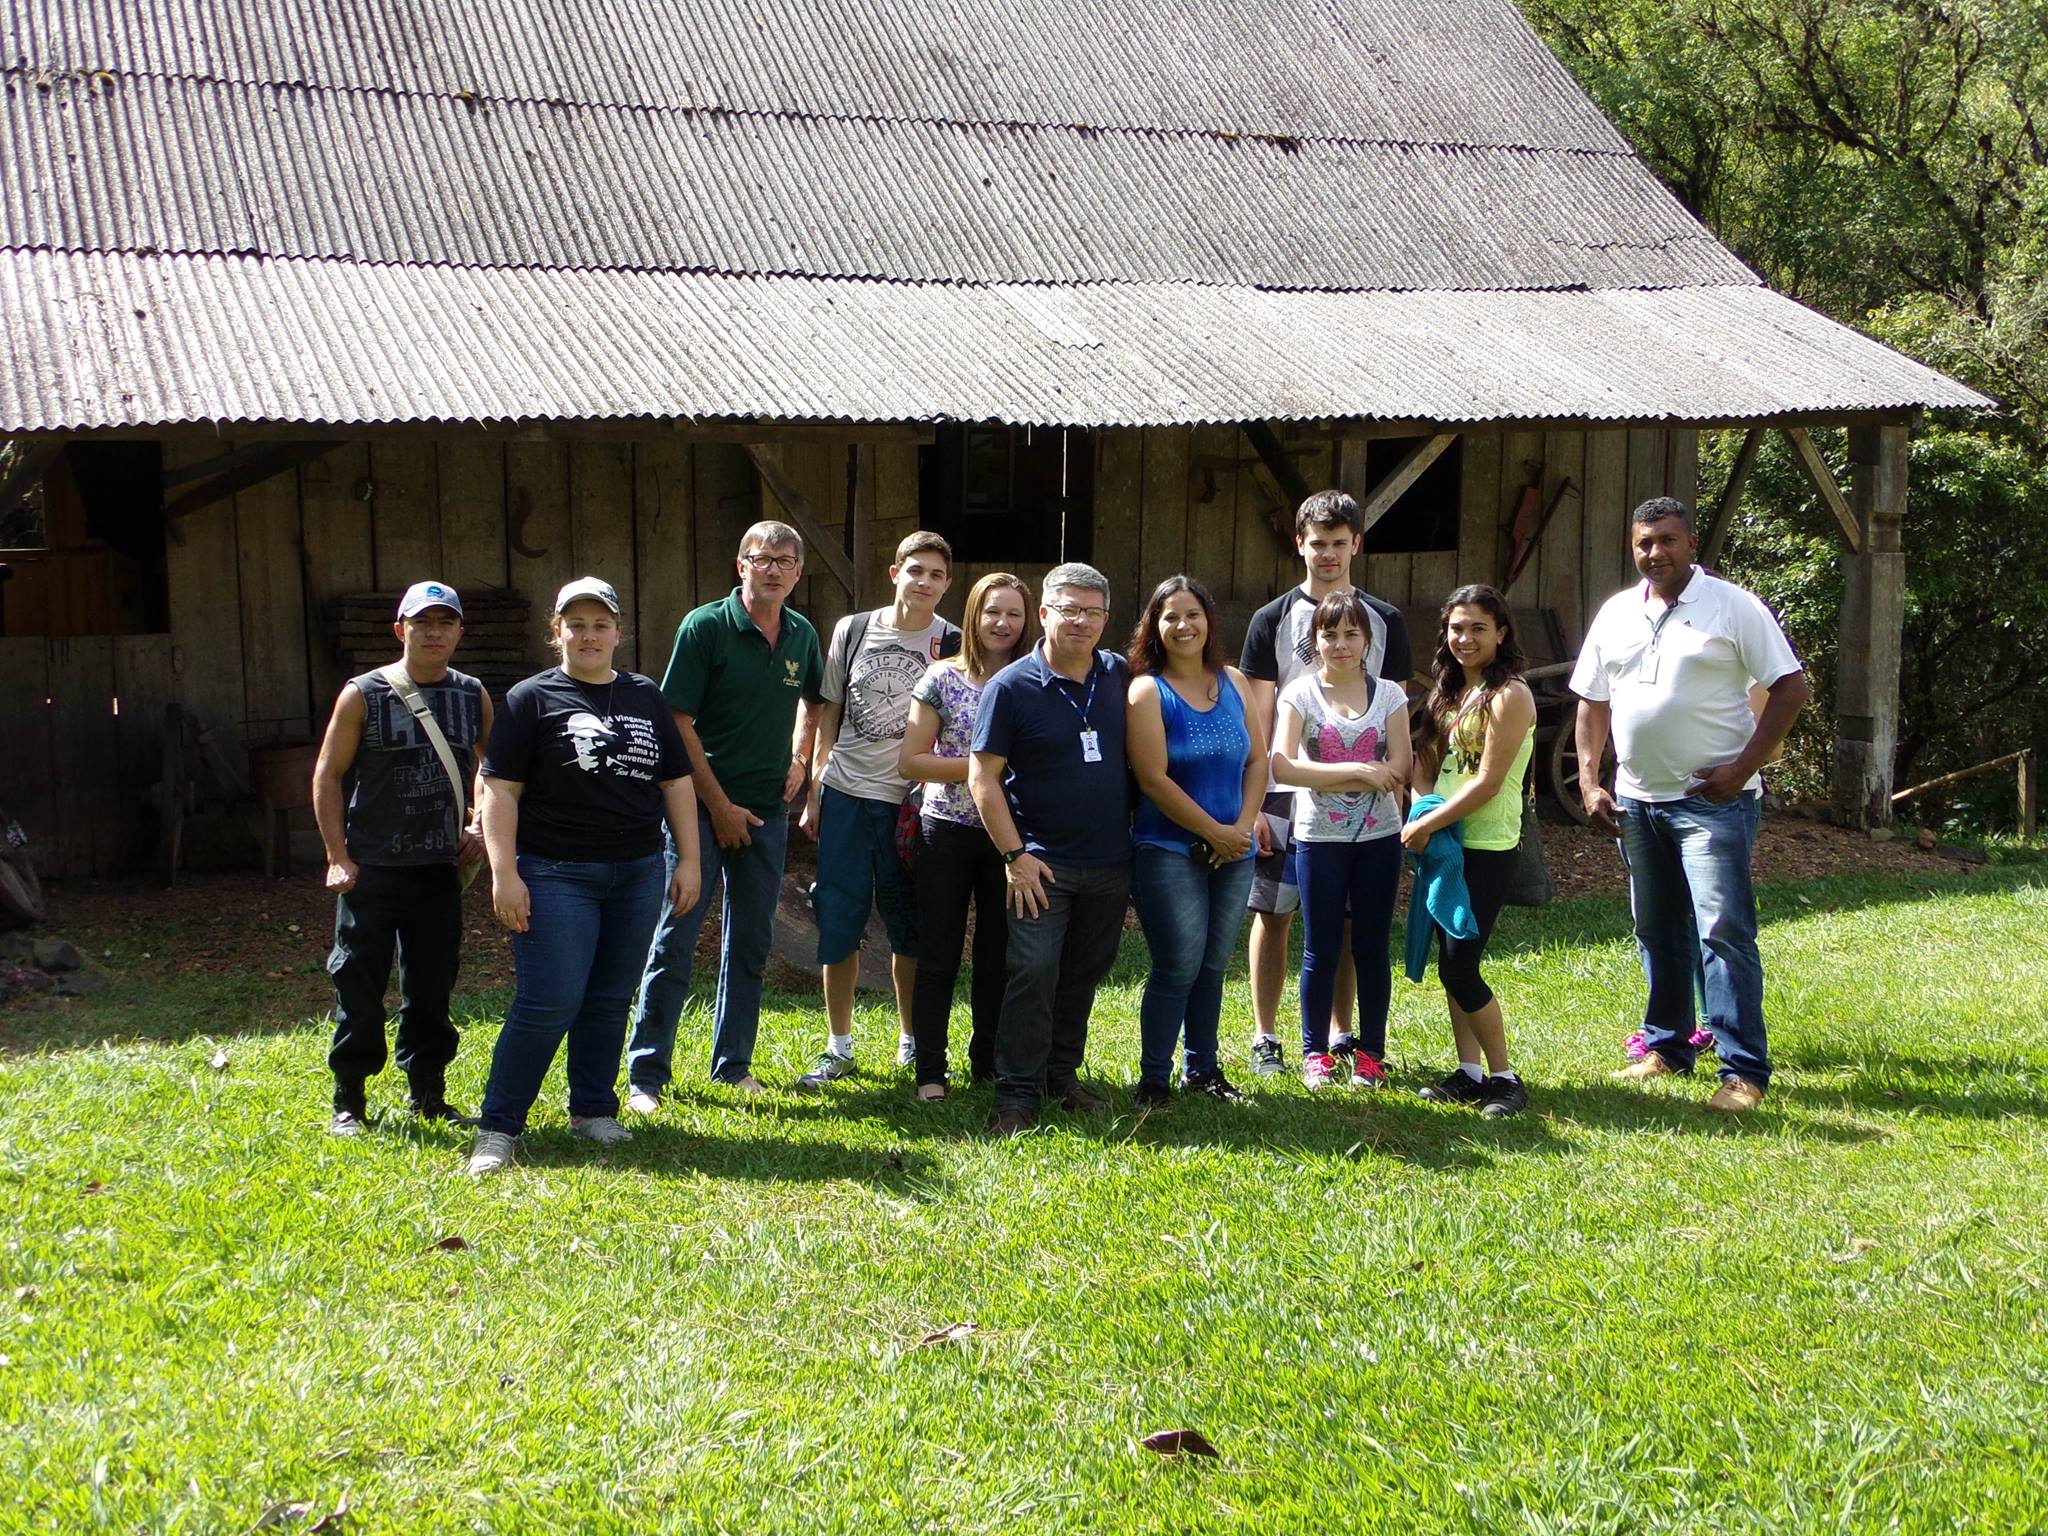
(1564, 772)
(21, 890)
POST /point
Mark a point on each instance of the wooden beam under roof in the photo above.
(1823, 480)
(818, 543)
(1406, 473)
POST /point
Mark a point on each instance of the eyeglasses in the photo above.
(1075, 615)
(772, 562)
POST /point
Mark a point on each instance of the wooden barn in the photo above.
(304, 300)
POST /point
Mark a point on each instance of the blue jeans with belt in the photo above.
(575, 966)
(1192, 914)
(1695, 914)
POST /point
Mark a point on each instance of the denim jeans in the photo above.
(416, 911)
(1358, 880)
(1056, 961)
(1688, 874)
(574, 966)
(956, 865)
(752, 877)
(1192, 914)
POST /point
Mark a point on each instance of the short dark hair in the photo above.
(1329, 509)
(1148, 655)
(1657, 508)
(1339, 607)
(924, 541)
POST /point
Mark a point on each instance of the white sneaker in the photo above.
(491, 1151)
(1318, 1070)
(906, 1051)
(643, 1101)
(602, 1129)
(830, 1069)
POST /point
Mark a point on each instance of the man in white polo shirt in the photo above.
(1667, 667)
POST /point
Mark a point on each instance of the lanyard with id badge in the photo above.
(1646, 669)
(1091, 739)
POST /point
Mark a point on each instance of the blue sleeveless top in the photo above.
(1206, 752)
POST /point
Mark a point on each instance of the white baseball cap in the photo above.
(588, 586)
(422, 595)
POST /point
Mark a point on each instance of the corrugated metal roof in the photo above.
(1427, 71)
(133, 164)
(150, 340)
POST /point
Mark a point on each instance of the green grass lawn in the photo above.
(1612, 1314)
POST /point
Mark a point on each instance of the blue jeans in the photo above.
(575, 966)
(753, 883)
(1192, 914)
(1056, 961)
(1358, 880)
(1695, 912)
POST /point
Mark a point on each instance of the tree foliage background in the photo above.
(1885, 162)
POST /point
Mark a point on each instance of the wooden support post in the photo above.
(2030, 794)
(1716, 531)
(819, 544)
(1824, 482)
(1279, 483)
(1405, 474)
(1873, 619)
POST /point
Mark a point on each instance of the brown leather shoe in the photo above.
(1652, 1065)
(1736, 1096)
(1012, 1122)
(1075, 1097)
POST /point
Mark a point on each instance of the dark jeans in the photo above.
(957, 864)
(1192, 914)
(416, 911)
(1056, 961)
(1487, 872)
(575, 966)
(1336, 878)
(752, 882)
(1695, 911)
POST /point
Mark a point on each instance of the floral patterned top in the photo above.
(953, 699)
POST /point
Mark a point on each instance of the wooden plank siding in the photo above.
(28, 772)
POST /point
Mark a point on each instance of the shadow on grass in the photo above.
(671, 1151)
(1886, 1083)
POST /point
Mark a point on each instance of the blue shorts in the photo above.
(859, 867)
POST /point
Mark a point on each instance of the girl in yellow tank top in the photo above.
(1480, 719)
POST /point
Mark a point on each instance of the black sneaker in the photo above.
(1266, 1058)
(1216, 1086)
(348, 1122)
(441, 1109)
(1458, 1087)
(1503, 1096)
(1151, 1096)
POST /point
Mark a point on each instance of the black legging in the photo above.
(1457, 960)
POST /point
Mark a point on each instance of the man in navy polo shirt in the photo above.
(1047, 774)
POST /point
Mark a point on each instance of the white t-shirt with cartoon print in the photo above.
(873, 690)
(1328, 816)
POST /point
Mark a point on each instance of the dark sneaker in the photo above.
(1457, 1087)
(1012, 1122)
(1216, 1086)
(1267, 1061)
(1075, 1097)
(442, 1110)
(347, 1122)
(1151, 1096)
(1503, 1096)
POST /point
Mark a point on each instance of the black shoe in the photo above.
(348, 1122)
(1151, 1096)
(1503, 1096)
(1216, 1086)
(1458, 1087)
(441, 1109)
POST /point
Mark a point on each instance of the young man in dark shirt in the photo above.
(395, 827)
(1279, 646)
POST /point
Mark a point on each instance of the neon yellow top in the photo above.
(1496, 825)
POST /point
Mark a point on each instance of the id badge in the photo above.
(1646, 670)
(1091, 747)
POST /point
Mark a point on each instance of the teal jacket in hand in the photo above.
(1439, 897)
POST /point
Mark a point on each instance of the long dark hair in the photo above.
(1448, 685)
(1148, 655)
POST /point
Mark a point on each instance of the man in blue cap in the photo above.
(394, 794)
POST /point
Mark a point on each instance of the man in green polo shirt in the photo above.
(745, 683)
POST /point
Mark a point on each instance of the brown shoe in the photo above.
(1736, 1096)
(1652, 1065)
(1012, 1122)
(1075, 1097)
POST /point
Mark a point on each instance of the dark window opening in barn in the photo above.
(1425, 519)
(1017, 495)
(97, 566)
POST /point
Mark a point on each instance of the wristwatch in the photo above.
(1012, 855)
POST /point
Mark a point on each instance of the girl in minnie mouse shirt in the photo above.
(1343, 736)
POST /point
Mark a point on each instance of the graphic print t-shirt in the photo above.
(401, 807)
(1280, 642)
(875, 691)
(1327, 737)
(592, 758)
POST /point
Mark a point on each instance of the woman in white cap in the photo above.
(583, 767)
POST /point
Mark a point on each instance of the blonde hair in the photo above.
(973, 659)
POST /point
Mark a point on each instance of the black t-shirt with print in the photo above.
(592, 758)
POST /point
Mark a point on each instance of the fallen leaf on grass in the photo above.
(451, 1244)
(1858, 1246)
(92, 1187)
(333, 1520)
(1180, 1442)
(281, 1511)
(952, 1333)
(219, 1063)
(26, 1293)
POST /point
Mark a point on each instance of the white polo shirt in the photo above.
(1678, 685)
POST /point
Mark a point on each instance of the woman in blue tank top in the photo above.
(1201, 769)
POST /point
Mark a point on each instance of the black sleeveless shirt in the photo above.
(401, 807)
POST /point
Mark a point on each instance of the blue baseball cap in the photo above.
(422, 595)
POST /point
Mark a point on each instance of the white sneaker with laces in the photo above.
(602, 1129)
(643, 1101)
(491, 1151)
(1318, 1070)
(830, 1069)
(906, 1051)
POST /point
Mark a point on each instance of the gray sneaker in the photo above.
(830, 1069)
(492, 1151)
(1266, 1058)
(602, 1129)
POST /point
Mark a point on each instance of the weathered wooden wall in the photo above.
(660, 518)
